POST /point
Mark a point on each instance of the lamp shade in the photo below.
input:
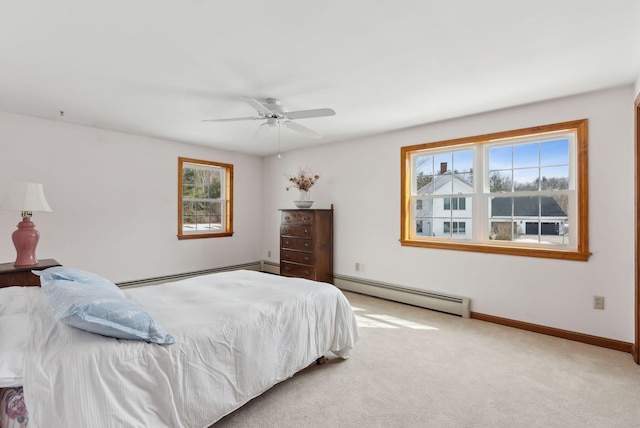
(26, 197)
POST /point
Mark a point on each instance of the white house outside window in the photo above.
(516, 192)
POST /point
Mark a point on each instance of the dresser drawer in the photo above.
(306, 217)
(298, 257)
(296, 243)
(303, 230)
(290, 269)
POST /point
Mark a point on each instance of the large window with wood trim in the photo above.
(521, 192)
(205, 199)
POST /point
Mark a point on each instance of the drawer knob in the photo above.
(306, 245)
(287, 218)
(306, 259)
(306, 272)
(306, 231)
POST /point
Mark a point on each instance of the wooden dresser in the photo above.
(21, 275)
(306, 244)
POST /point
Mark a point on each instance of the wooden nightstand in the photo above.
(21, 275)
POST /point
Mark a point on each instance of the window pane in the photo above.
(425, 223)
(555, 178)
(500, 158)
(554, 153)
(502, 230)
(526, 179)
(208, 216)
(442, 180)
(424, 165)
(500, 181)
(562, 204)
(187, 191)
(462, 162)
(460, 230)
(526, 207)
(442, 163)
(424, 184)
(188, 215)
(525, 155)
(447, 204)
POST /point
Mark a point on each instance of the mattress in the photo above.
(236, 335)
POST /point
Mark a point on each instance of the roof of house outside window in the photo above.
(526, 207)
(441, 180)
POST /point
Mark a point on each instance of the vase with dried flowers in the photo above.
(303, 181)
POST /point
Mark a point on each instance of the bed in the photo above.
(236, 334)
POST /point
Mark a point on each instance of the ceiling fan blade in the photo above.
(301, 129)
(232, 119)
(258, 106)
(305, 114)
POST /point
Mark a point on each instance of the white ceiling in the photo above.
(158, 67)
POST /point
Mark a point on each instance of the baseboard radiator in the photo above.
(426, 299)
(430, 300)
(161, 279)
(455, 305)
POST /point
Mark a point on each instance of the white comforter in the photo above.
(237, 334)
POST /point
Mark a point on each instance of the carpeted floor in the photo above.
(418, 368)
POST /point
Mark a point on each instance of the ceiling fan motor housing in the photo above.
(275, 106)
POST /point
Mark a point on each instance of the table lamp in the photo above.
(27, 198)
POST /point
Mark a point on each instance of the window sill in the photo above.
(205, 235)
(576, 255)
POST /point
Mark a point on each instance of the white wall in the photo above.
(114, 200)
(362, 179)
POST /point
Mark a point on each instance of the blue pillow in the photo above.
(103, 309)
(73, 274)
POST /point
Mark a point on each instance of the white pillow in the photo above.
(12, 301)
(14, 330)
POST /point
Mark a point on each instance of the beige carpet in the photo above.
(418, 368)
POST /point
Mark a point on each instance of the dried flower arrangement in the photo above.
(303, 180)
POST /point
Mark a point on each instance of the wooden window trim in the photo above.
(228, 231)
(581, 253)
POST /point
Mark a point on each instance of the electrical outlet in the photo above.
(598, 302)
(269, 253)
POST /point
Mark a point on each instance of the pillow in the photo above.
(14, 332)
(99, 307)
(12, 301)
(73, 274)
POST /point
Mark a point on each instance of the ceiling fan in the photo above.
(274, 113)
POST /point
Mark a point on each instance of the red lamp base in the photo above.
(25, 240)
